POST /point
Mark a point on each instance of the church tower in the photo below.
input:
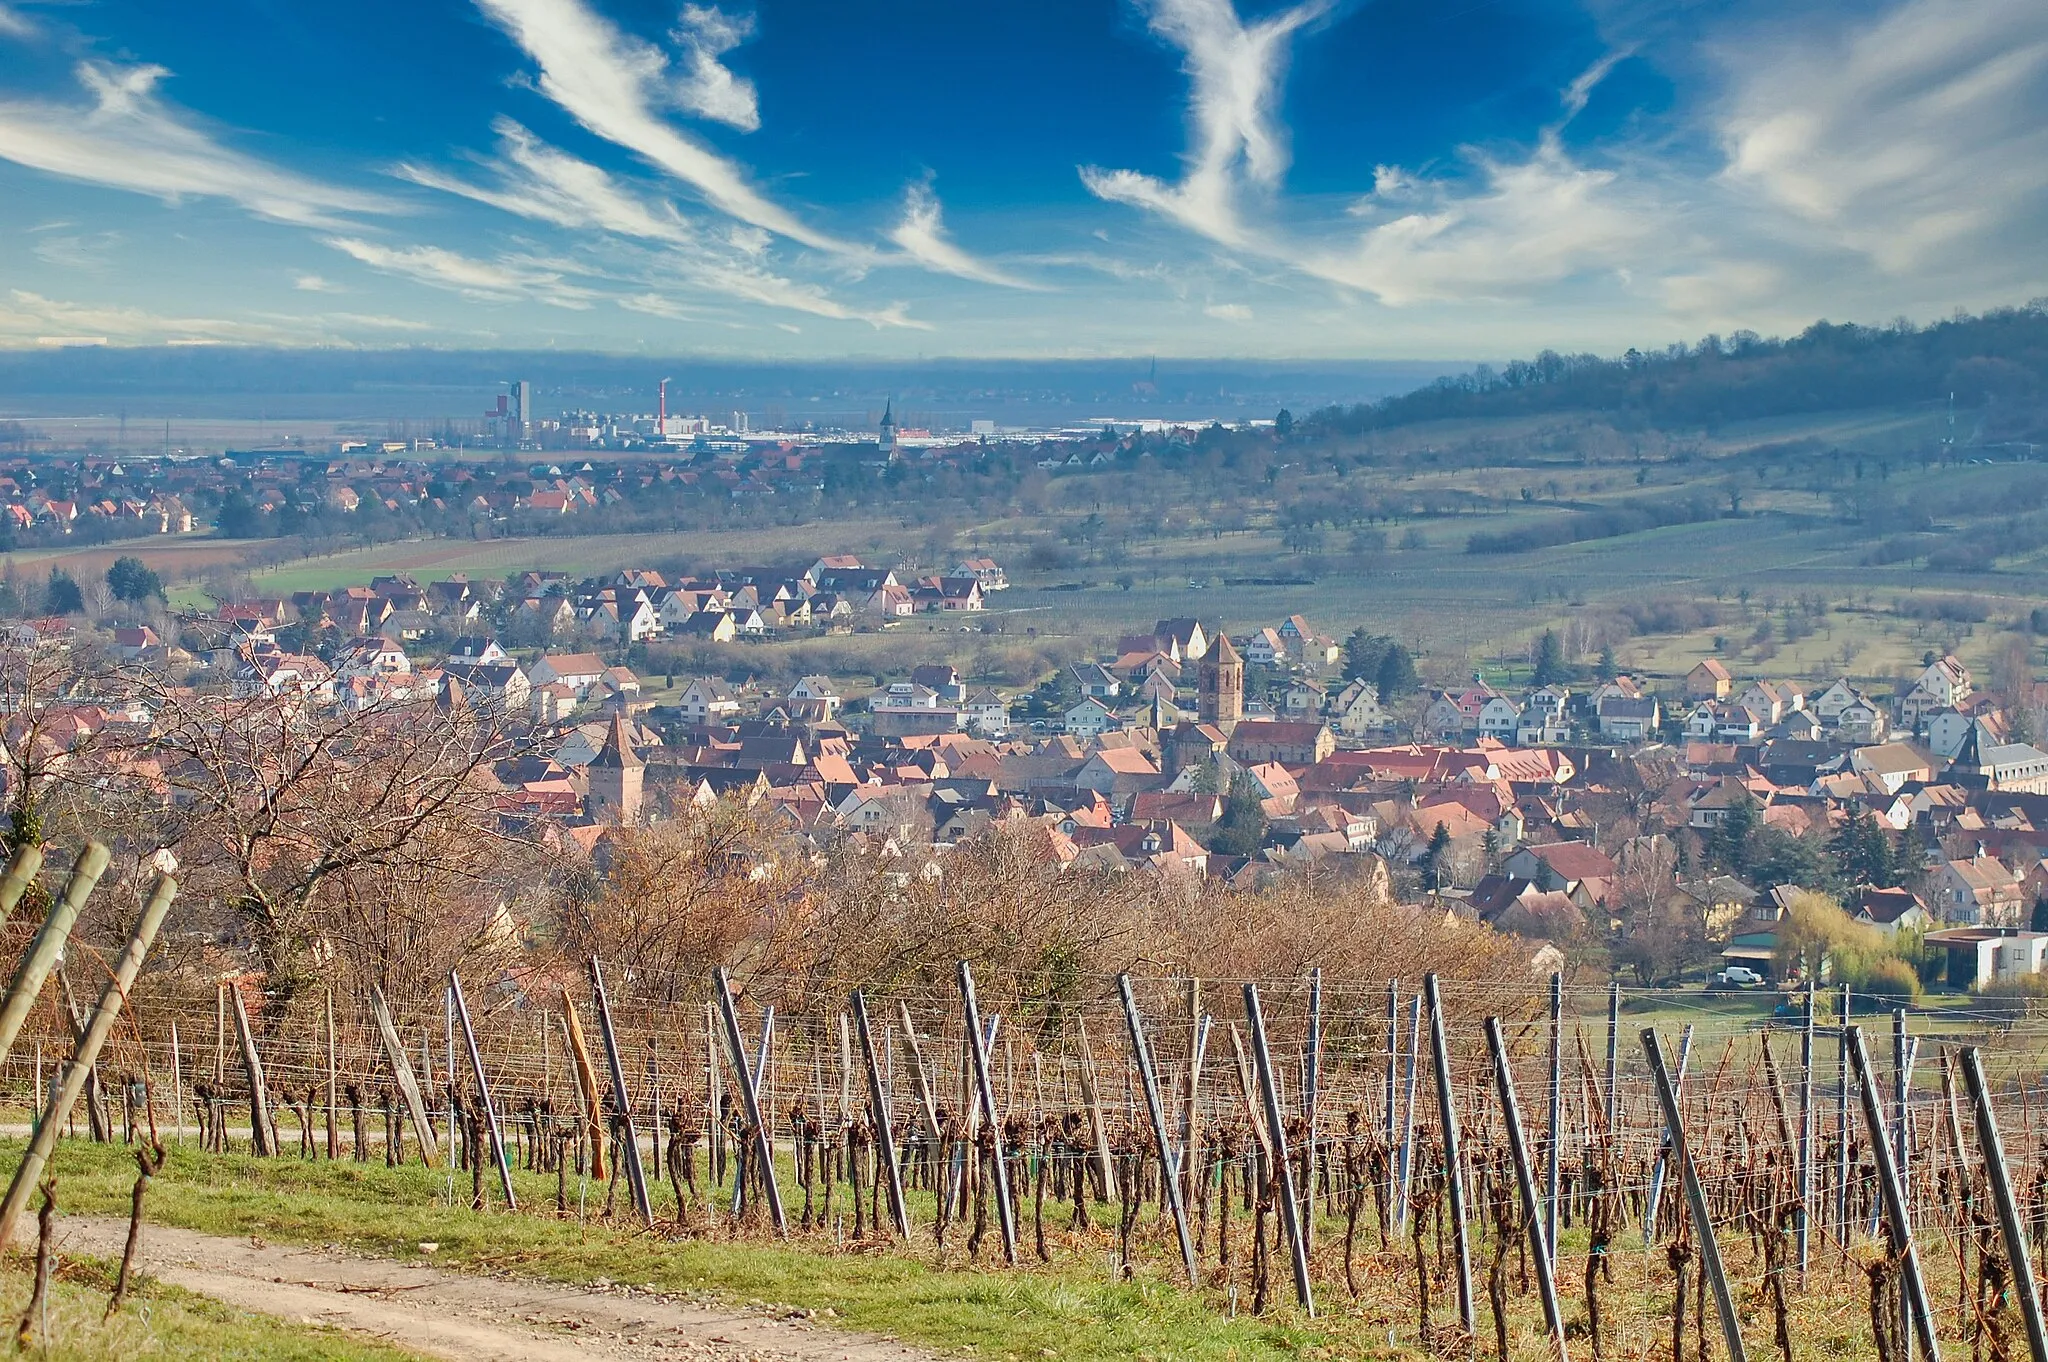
(1220, 682)
(886, 437)
(616, 775)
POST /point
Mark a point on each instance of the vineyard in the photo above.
(1456, 1168)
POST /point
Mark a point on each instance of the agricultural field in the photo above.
(1792, 586)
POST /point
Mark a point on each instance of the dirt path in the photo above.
(471, 1318)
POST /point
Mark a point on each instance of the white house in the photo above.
(708, 700)
(578, 671)
(1499, 718)
(1090, 718)
(1944, 684)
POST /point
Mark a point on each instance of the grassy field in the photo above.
(1074, 1308)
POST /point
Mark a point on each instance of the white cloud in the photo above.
(708, 88)
(1902, 137)
(1532, 223)
(922, 236)
(1228, 312)
(130, 138)
(613, 85)
(15, 24)
(1234, 71)
(504, 280)
(538, 181)
(88, 253)
(313, 283)
(32, 319)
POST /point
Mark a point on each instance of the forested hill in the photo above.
(1996, 361)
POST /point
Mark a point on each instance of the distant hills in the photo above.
(1996, 363)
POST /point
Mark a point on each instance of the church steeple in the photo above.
(886, 438)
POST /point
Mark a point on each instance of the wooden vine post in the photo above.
(261, 1132)
(1169, 1160)
(885, 1133)
(483, 1089)
(636, 1173)
(750, 1093)
(408, 1082)
(73, 1079)
(1005, 1213)
(1525, 1179)
(1454, 1169)
(1899, 1227)
(1695, 1197)
(1269, 1090)
(41, 957)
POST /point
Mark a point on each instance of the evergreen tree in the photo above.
(2038, 921)
(1241, 831)
(130, 579)
(1550, 664)
(1607, 669)
(1435, 867)
(1731, 844)
(62, 596)
(1396, 674)
(1363, 653)
(1863, 853)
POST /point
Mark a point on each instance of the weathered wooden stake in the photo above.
(1664, 1146)
(1804, 1223)
(261, 1132)
(1553, 1154)
(408, 1082)
(750, 1096)
(177, 1087)
(1525, 1178)
(1901, 1230)
(1454, 1168)
(333, 1083)
(21, 873)
(73, 1080)
(1169, 1159)
(1695, 1197)
(1098, 1126)
(885, 1132)
(1006, 1214)
(2009, 1224)
(1290, 1207)
(483, 1089)
(586, 1087)
(636, 1173)
(48, 945)
(1614, 1058)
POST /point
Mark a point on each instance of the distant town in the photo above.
(1583, 806)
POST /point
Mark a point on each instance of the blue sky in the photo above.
(1372, 178)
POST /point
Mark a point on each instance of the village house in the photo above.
(1708, 680)
(708, 700)
(1977, 890)
(1943, 684)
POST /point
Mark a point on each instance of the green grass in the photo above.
(1075, 1310)
(162, 1321)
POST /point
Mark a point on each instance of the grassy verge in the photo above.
(1075, 1310)
(161, 1321)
